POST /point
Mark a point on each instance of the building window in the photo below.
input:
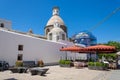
(57, 38)
(50, 36)
(48, 30)
(63, 28)
(20, 47)
(20, 57)
(2, 25)
(63, 36)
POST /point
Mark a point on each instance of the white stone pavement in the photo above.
(56, 73)
(115, 75)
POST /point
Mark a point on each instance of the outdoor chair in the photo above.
(38, 71)
(22, 69)
(18, 69)
(4, 65)
(112, 65)
(13, 70)
(79, 64)
(26, 66)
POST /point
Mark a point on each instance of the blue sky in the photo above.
(78, 15)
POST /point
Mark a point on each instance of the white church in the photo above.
(15, 45)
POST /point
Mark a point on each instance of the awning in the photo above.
(90, 49)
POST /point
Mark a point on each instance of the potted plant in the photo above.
(61, 62)
(91, 65)
(40, 63)
(68, 63)
(16, 69)
(65, 63)
(97, 65)
(19, 63)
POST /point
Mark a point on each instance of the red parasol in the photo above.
(90, 49)
(101, 48)
(73, 49)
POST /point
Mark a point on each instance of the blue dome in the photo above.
(85, 37)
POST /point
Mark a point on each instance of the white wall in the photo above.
(34, 48)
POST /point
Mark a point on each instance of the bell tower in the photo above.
(55, 11)
(55, 16)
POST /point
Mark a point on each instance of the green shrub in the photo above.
(97, 64)
(65, 62)
(19, 64)
(104, 65)
(107, 56)
(62, 62)
(90, 64)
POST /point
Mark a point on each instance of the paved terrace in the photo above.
(59, 73)
(114, 75)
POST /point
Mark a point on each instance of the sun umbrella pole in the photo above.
(66, 55)
(95, 58)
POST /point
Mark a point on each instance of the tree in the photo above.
(114, 43)
(112, 55)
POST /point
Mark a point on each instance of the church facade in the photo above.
(16, 45)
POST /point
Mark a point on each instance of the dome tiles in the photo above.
(51, 21)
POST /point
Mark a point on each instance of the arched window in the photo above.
(63, 36)
(50, 36)
(2, 25)
(48, 30)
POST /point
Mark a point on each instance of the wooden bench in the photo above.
(18, 69)
(13, 70)
(38, 71)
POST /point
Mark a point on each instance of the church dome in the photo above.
(85, 37)
(84, 34)
(55, 17)
(56, 30)
(52, 20)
